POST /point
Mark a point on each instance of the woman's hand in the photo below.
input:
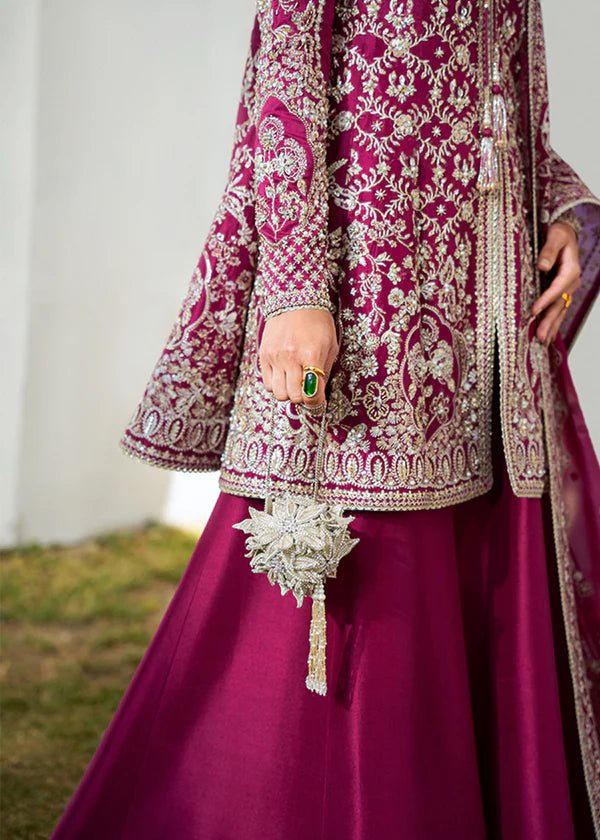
(289, 341)
(560, 249)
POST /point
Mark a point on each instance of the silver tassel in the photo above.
(488, 164)
(316, 678)
(499, 115)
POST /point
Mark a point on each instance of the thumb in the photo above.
(552, 246)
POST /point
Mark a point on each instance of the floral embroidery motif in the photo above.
(422, 294)
(281, 163)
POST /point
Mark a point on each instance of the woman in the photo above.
(396, 222)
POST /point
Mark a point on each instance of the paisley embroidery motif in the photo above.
(283, 175)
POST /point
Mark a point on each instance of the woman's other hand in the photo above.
(290, 340)
(560, 249)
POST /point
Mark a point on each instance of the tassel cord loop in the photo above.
(318, 457)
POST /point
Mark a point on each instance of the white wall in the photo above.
(135, 112)
(121, 115)
(573, 73)
(18, 74)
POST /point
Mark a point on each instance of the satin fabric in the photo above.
(449, 710)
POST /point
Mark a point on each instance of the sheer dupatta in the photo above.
(574, 480)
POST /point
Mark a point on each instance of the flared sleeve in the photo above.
(561, 193)
(291, 197)
(182, 419)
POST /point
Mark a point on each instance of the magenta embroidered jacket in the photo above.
(391, 163)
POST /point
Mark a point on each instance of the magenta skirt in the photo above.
(449, 710)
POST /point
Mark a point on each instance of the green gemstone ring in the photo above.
(310, 382)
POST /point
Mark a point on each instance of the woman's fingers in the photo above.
(567, 280)
(280, 391)
(325, 362)
(561, 248)
(267, 373)
(291, 340)
(326, 366)
(553, 313)
(556, 326)
(293, 378)
(555, 241)
(287, 384)
(319, 396)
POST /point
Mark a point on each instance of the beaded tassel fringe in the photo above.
(499, 116)
(494, 119)
(316, 679)
(488, 166)
(499, 119)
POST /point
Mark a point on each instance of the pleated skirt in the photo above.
(449, 711)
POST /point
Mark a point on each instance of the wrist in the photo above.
(569, 217)
(279, 310)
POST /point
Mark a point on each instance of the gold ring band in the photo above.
(568, 299)
(314, 369)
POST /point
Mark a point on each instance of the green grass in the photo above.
(75, 622)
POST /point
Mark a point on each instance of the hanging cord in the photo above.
(316, 677)
(318, 457)
(298, 542)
